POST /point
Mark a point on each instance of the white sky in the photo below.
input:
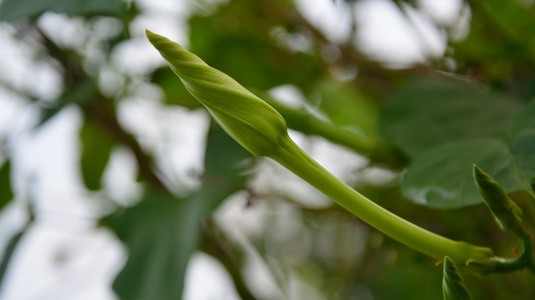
(63, 256)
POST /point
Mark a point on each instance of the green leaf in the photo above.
(96, 150)
(398, 281)
(442, 176)
(6, 192)
(499, 33)
(453, 286)
(346, 106)
(309, 124)
(244, 44)
(427, 112)
(224, 164)
(162, 231)
(522, 142)
(11, 10)
(157, 235)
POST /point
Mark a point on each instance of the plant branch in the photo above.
(102, 111)
(232, 257)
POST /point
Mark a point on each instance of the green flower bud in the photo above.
(260, 129)
(505, 211)
(453, 286)
(250, 121)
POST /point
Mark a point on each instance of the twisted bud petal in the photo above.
(250, 121)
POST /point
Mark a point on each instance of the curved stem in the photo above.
(426, 242)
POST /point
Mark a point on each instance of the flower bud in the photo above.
(250, 121)
(505, 211)
(453, 286)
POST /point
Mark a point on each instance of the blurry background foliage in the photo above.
(430, 120)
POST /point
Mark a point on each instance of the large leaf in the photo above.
(442, 176)
(162, 231)
(423, 113)
(399, 281)
(346, 106)
(96, 150)
(306, 122)
(6, 192)
(522, 142)
(453, 286)
(498, 32)
(224, 164)
(240, 39)
(11, 10)
(160, 236)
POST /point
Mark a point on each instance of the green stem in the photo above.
(525, 260)
(426, 242)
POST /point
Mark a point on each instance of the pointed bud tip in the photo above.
(481, 177)
(489, 189)
(154, 38)
(149, 34)
(477, 170)
(506, 213)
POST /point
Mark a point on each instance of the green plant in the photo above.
(453, 131)
(261, 129)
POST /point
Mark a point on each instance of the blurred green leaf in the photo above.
(162, 231)
(304, 121)
(6, 191)
(427, 112)
(453, 286)
(11, 10)
(240, 39)
(442, 176)
(522, 142)
(407, 281)
(346, 106)
(160, 236)
(509, 23)
(224, 165)
(96, 148)
(499, 48)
